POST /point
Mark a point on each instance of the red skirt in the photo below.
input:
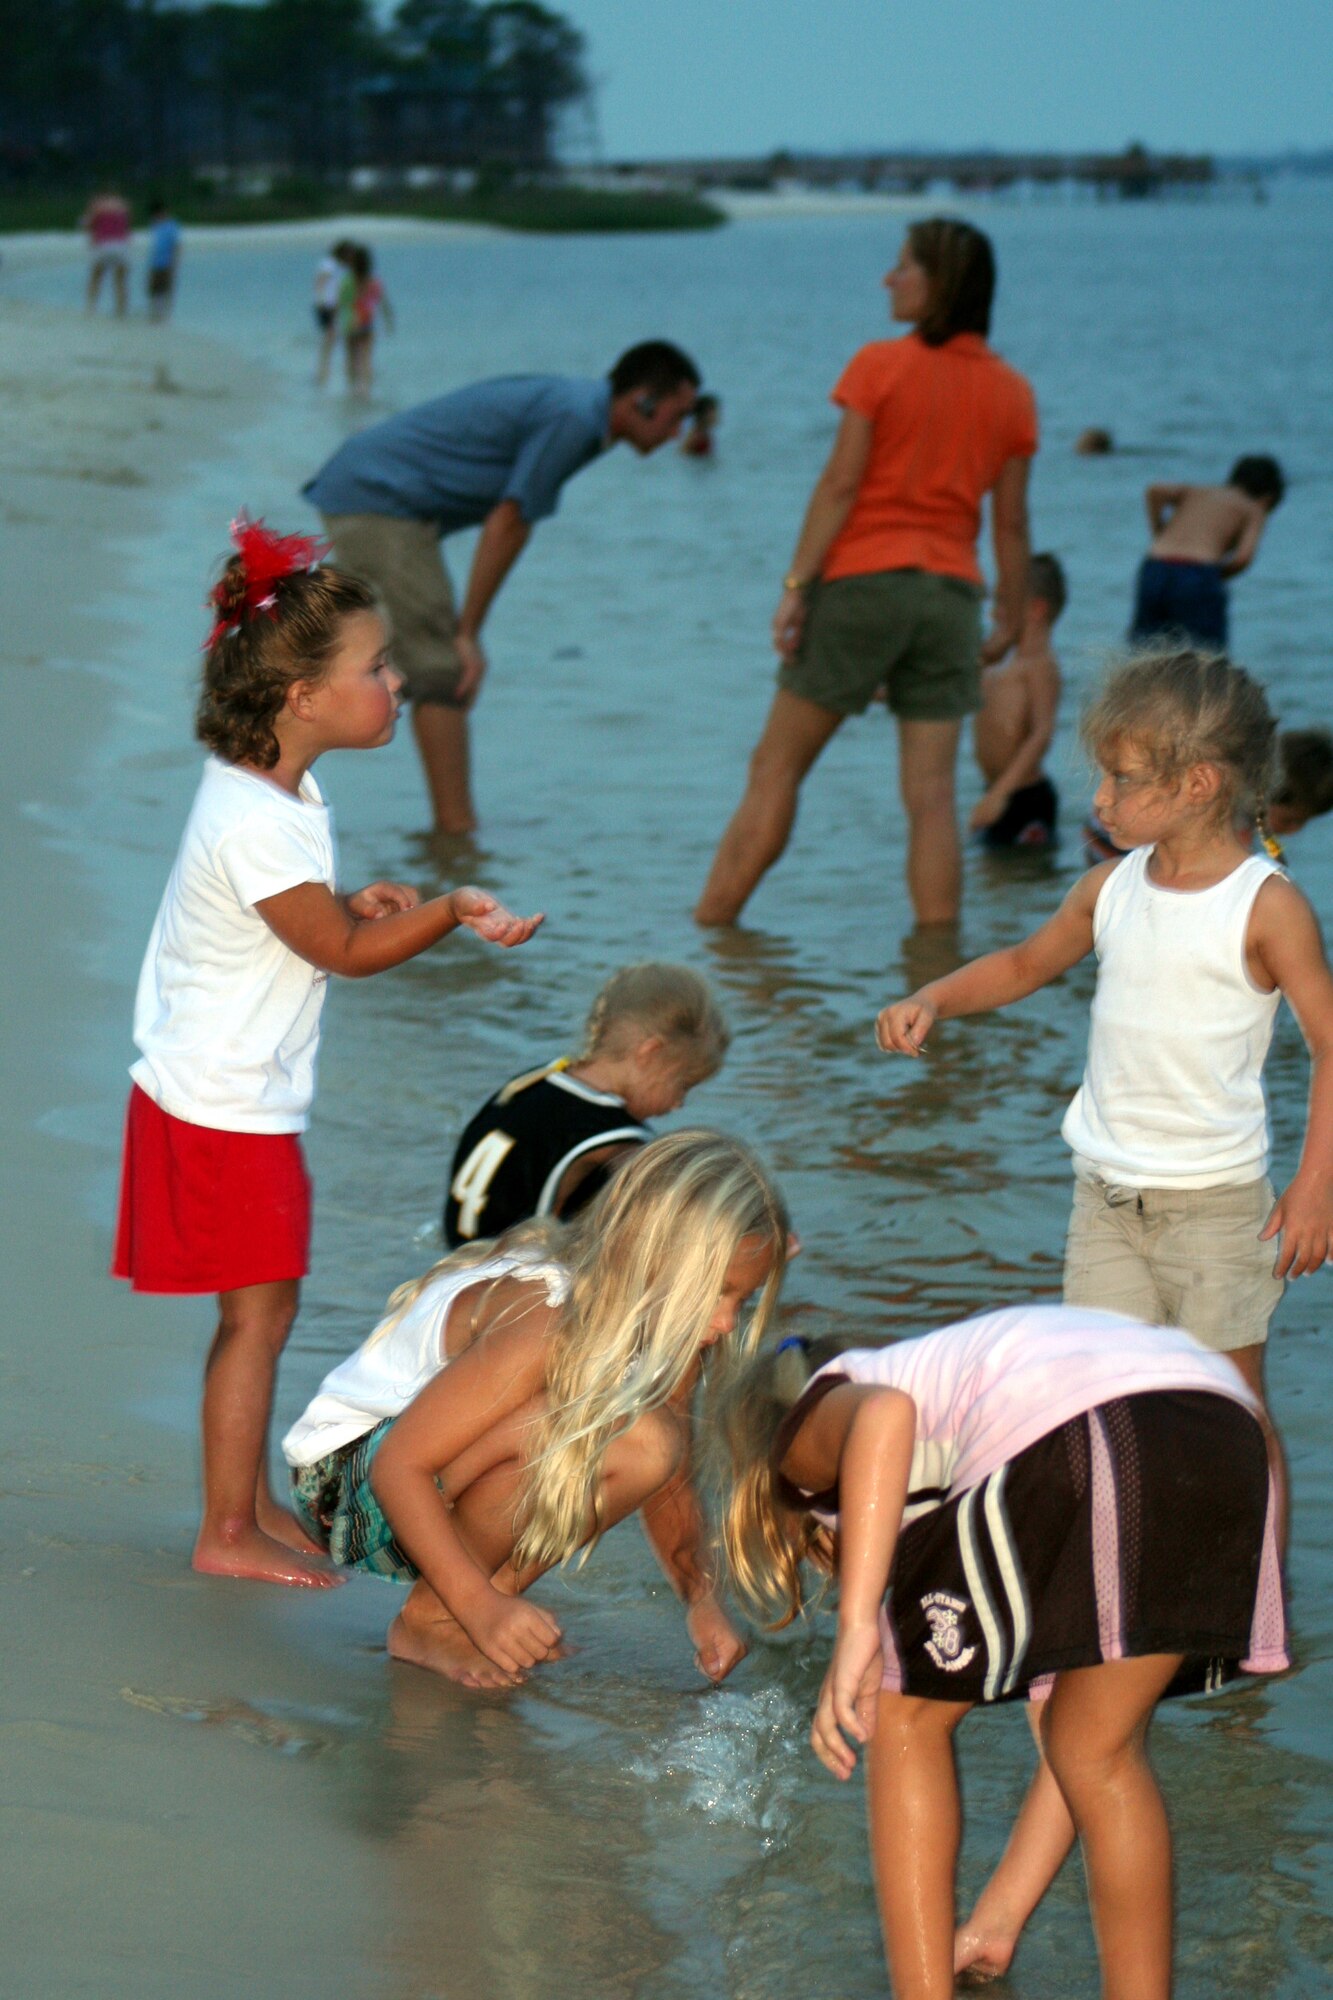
(208, 1211)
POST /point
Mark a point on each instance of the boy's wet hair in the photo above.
(657, 367)
(1260, 477)
(1179, 707)
(1046, 580)
(654, 998)
(248, 670)
(1305, 772)
(960, 264)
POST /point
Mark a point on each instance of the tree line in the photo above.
(153, 89)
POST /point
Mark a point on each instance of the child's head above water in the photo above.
(1260, 477)
(660, 1268)
(280, 619)
(654, 1032)
(1304, 788)
(1046, 584)
(1174, 710)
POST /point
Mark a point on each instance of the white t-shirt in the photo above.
(1172, 1094)
(328, 280)
(987, 1388)
(391, 1368)
(226, 1018)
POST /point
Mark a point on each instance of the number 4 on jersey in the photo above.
(472, 1183)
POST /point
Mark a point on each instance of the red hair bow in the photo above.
(265, 559)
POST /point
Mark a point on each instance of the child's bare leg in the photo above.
(253, 1324)
(915, 1823)
(1034, 1855)
(636, 1466)
(1095, 1731)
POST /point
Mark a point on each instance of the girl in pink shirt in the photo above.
(1044, 1502)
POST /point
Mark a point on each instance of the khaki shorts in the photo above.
(1186, 1257)
(402, 560)
(908, 631)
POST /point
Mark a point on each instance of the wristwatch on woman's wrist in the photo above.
(793, 582)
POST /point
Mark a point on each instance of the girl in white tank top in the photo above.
(1196, 938)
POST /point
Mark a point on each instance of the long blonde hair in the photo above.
(764, 1541)
(647, 1263)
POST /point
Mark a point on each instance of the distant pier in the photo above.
(1136, 174)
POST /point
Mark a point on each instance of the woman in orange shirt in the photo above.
(884, 591)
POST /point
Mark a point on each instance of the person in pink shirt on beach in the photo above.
(106, 223)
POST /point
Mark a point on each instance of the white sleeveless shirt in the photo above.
(1172, 1092)
(391, 1368)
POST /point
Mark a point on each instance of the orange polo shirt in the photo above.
(946, 420)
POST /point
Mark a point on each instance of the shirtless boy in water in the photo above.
(1202, 536)
(1013, 729)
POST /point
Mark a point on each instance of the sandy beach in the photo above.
(100, 423)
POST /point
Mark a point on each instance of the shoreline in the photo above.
(133, 1838)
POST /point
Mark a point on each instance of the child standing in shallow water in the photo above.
(546, 1143)
(1196, 941)
(214, 1192)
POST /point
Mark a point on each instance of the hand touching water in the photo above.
(848, 1698)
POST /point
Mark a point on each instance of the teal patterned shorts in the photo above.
(334, 1501)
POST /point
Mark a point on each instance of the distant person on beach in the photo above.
(1202, 537)
(106, 222)
(363, 302)
(1094, 443)
(1302, 791)
(548, 1142)
(700, 440)
(1197, 940)
(494, 455)
(883, 590)
(1020, 697)
(525, 1396)
(164, 255)
(1043, 1504)
(214, 1192)
(329, 274)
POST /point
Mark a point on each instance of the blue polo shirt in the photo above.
(515, 437)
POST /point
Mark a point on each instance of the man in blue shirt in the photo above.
(164, 251)
(494, 455)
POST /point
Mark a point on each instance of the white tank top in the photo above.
(1172, 1092)
(391, 1368)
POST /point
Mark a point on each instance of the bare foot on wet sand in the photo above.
(280, 1526)
(249, 1552)
(441, 1645)
(982, 1952)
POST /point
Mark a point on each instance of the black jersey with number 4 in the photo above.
(514, 1154)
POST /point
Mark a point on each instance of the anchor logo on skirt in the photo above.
(945, 1644)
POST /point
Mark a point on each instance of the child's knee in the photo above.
(649, 1453)
(262, 1317)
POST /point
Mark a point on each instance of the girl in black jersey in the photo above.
(546, 1143)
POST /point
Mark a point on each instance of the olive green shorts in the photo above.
(913, 633)
(1186, 1257)
(402, 560)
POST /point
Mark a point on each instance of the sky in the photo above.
(690, 77)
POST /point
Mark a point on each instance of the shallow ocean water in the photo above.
(615, 1828)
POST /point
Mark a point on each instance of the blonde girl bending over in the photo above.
(1197, 940)
(526, 1395)
(1043, 1502)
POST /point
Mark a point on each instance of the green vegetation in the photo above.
(549, 208)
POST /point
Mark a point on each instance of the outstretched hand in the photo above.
(1303, 1218)
(848, 1699)
(382, 899)
(718, 1646)
(902, 1028)
(476, 911)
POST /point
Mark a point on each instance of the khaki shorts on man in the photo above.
(402, 560)
(1186, 1257)
(911, 632)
